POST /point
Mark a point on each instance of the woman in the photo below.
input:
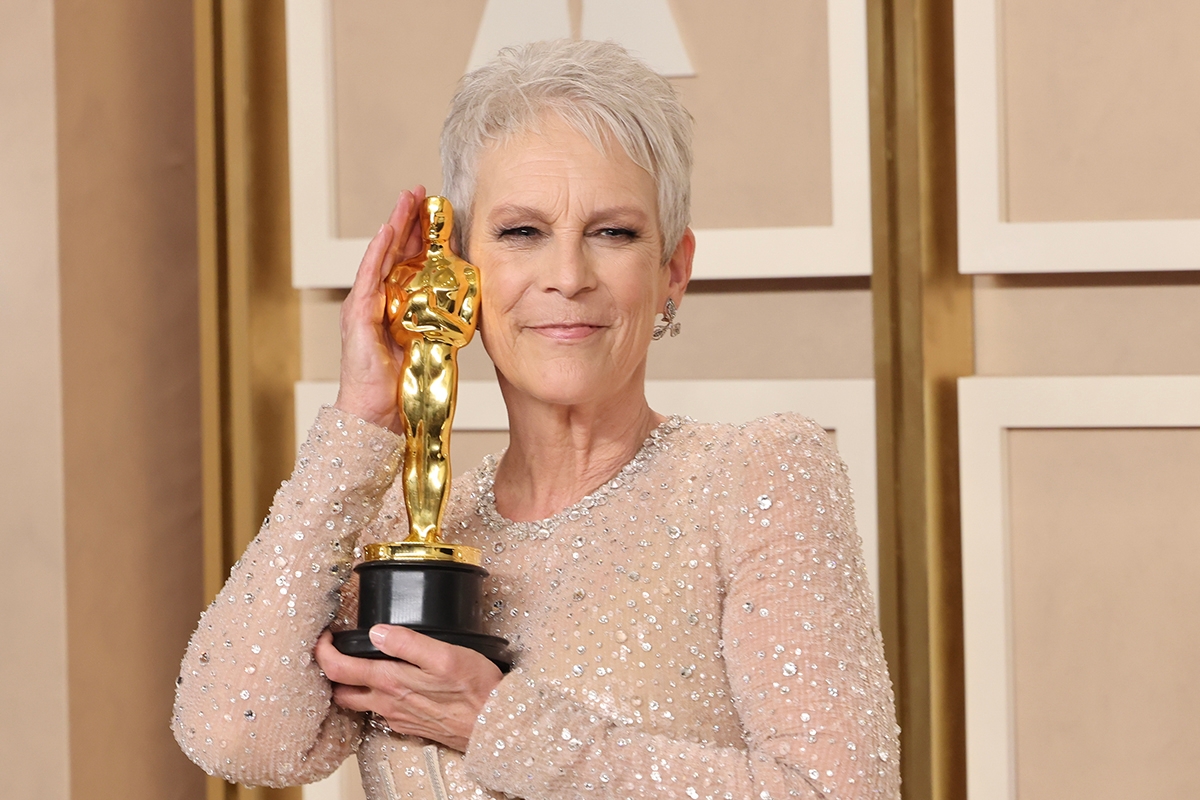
(687, 601)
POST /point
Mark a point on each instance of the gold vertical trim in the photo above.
(923, 342)
(249, 314)
(211, 257)
(237, 120)
(210, 223)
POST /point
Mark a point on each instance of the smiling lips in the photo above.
(566, 331)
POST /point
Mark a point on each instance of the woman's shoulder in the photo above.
(747, 452)
(780, 430)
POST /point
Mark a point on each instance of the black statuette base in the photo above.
(441, 599)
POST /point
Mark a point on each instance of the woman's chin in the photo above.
(572, 388)
(559, 395)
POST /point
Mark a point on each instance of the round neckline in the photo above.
(542, 528)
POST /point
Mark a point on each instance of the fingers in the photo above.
(385, 247)
(411, 715)
(337, 666)
(404, 220)
(371, 359)
(368, 277)
(423, 652)
(435, 691)
(355, 698)
(417, 652)
(340, 668)
(364, 304)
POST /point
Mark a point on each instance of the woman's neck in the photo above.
(559, 454)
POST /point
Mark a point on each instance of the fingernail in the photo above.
(381, 227)
(377, 635)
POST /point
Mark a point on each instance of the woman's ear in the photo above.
(679, 265)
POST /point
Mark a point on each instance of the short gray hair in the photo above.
(599, 89)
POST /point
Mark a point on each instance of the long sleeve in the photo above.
(801, 649)
(251, 704)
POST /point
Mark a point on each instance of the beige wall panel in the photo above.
(794, 328)
(760, 98)
(1104, 601)
(34, 755)
(1101, 109)
(131, 412)
(761, 103)
(1136, 324)
(467, 448)
(395, 66)
(320, 333)
(801, 328)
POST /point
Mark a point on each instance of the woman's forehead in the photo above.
(554, 159)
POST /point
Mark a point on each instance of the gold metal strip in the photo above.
(423, 551)
(923, 342)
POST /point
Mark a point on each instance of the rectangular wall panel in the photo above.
(795, 181)
(1104, 555)
(1076, 492)
(1076, 135)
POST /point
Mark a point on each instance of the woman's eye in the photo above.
(520, 232)
(616, 233)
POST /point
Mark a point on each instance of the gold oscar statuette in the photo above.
(422, 582)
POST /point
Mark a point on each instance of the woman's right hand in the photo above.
(371, 359)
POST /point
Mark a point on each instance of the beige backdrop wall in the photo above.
(130, 386)
(98, 339)
(1104, 589)
(1100, 118)
(34, 760)
(760, 98)
(1100, 110)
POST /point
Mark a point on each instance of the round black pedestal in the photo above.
(441, 599)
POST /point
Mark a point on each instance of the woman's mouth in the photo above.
(566, 332)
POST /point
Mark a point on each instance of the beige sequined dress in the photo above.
(699, 627)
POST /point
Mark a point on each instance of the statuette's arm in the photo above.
(471, 296)
(425, 317)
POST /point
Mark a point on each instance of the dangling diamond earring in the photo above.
(668, 323)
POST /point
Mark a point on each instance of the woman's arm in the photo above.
(251, 703)
(802, 652)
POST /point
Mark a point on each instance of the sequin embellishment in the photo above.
(699, 626)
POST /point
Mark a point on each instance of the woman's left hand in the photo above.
(436, 691)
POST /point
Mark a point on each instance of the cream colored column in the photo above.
(34, 757)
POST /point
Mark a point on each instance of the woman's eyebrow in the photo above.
(635, 212)
(513, 212)
(516, 211)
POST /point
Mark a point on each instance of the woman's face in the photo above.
(567, 242)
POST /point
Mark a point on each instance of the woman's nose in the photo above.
(571, 270)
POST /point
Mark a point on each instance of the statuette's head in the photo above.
(438, 219)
